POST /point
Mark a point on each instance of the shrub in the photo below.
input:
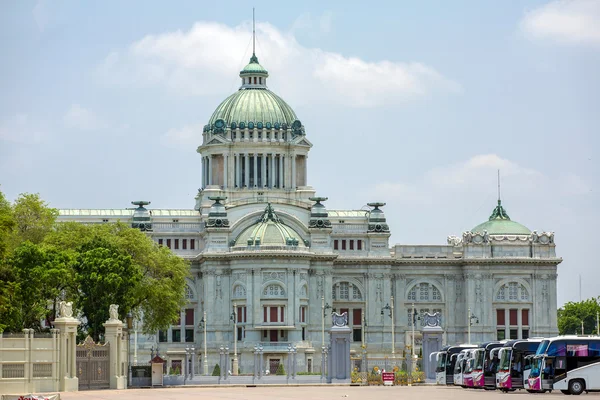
(216, 370)
(280, 370)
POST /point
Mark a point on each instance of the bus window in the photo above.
(542, 347)
(558, 348)
(594, 348)
(577, 350)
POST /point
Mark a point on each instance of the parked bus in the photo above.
(446, 360)
(490, 371)
(512, 355)
(481, 363)
(570, 364)
(461, 365)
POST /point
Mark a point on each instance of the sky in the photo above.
(417, 104)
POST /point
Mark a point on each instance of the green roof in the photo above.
(500, 223)
(254, 67)
(269, 231)
(254, 105)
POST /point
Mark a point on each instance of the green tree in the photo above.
(280, 370)
(7, 223)
(216, 370)
(571, 315)
(39, 275)
(33, 219)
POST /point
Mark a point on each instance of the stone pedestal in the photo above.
(113, 334)
(432, 342)
(68, 381)
(339, 352)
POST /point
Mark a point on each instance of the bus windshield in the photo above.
(441, 362)
(542, 347)
(536, 367)
(469, 367)
(505, 359)
(458, 364)
(479, 358)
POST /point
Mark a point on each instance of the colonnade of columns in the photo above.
(252, 170)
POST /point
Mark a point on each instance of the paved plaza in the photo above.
(304, 393)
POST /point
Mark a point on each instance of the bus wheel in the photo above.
(531, 391)
(576, 387)
(565, 392)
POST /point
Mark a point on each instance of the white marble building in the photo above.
(260, 241)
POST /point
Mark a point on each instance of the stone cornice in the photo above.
(265, 254)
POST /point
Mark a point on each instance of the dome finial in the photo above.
(253, 59)
(499, 187)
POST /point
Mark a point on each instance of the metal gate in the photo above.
(93, 363)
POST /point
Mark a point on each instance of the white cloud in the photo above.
(78, 117)
(565, 21)
(19, 128)
(198, 61)
(187, 137)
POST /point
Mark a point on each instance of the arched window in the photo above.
(425, 292)
(512, 292)
(273, 290)
(239, 291)
(346, 291)
(189, 294)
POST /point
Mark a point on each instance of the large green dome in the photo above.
(254, 106)
(500, 223)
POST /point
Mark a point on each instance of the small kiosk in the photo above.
(157, 371)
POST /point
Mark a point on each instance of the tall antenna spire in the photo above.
(498, 186)
(253, 34)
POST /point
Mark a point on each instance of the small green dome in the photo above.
(253, 67)
(500, 223)
(269, 231)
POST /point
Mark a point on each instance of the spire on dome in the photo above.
(499, 212)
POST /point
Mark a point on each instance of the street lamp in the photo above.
(203, 325)
(472, 320)
(233, 318)
(391, 315)
(364, 331)
(189, 360)
(323, 307)
(129, 320)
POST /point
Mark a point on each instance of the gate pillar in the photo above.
(67, 326)
(113, 334)
(432, 342)
(339, 355)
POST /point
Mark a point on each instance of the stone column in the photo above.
(225, 169)
(209, 169)
(293, 169)
(339, 367)
(263, 171)
(281, 176)
(519, 323)
(203, 172)
(507, 323)
(113, 332)
(247, 171)
(272, 169)
(255, 172)
(67, 326)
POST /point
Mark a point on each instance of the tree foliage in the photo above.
(42, 262)
(571, 315)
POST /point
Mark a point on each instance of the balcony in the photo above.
(174, 227)
(275, 347)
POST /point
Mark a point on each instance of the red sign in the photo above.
(388, 377)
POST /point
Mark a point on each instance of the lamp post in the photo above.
(323, 307)
(472, 319)
(129, 320)
(391, 315)
(233, 317)
(597, 323)
(582, 330)
(203, 325)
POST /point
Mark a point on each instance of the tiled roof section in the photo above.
(115, 212)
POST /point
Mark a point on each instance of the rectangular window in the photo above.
(240, 333)
(525, 333)
(189, 335)
(357, 334)
(160, 242)
(189, 316)
(500, 320)
(162, 336)
(302, 313)
(176, 244)
(343, 245)
(184, 244)
(303, 333)
(351, 244)
(335, 244)
(513, 317)
(192, 244)
(525, 317)
(169, 243)
(176, 335)
(514, 333)
(359, 245)
(265, 314)
(282, 308)
(241, 314)
(357, 317)
(273, 311)
(500, 334)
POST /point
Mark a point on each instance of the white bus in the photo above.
(570, 364)
(461, 367)
(446, 360)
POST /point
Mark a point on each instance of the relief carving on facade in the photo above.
(273, 276)
(218, 288)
